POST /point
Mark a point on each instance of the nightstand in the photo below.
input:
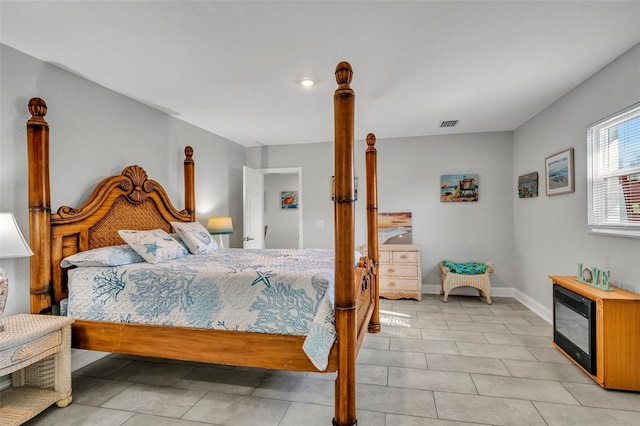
(36, 350)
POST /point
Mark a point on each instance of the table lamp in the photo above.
(220, 225)
(12, 245)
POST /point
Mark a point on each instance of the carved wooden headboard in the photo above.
(126, 201)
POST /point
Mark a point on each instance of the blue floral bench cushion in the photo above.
(467, 268)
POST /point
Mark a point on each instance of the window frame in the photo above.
(603, 202)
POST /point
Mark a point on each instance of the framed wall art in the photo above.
(559, 173)
(459, 187)
(528, 185)
(289, 199)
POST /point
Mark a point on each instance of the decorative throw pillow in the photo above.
(468, 268)
(196, 237)
(154, 246)
(176, 237)
(104, 256)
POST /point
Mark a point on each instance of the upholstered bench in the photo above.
(469, 274)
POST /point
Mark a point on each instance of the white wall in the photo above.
(409, 171)
(551, 232)
(282, 223)
(96, 132)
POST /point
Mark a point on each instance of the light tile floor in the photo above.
(458, 363)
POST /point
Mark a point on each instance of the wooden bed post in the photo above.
(189, 183)
(372, 226)
(39, 206)
(345, 291)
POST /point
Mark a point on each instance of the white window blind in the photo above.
(613, 155)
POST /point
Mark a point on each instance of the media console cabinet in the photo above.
(617, 334)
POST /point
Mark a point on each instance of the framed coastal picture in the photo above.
(289, 199)
(459, 187)
(528, 185)
(559, 172)
(394, 228)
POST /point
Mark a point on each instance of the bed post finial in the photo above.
(38, 109)
(371, 140)
(344, 74)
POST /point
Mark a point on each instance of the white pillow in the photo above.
(104, 256)
(154, 246)
(196, 237)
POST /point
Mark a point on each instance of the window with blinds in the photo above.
(613, 155)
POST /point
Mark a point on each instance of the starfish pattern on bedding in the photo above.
(152, 248)
(263, 277)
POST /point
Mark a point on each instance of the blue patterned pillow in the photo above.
(104, 256)
(468, 268)
(196, 237)
(154, 246)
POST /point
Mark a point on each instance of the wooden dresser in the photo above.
(399, 271)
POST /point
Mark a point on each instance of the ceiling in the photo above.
(233, 67)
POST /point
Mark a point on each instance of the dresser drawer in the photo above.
(15, 355)
(398, 270)
(398, 284)
(384, 256)
(404, 257)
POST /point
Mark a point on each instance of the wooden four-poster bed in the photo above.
(132, 201)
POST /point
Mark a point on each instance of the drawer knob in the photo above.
(391, 270)
(392, 284)
(404, 256)
(22, 353)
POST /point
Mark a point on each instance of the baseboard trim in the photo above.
(535, 306)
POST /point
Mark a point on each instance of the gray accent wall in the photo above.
(409, 171)
(551, 231)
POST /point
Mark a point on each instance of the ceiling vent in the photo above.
(448, 123)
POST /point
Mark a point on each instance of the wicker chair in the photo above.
(451, 280)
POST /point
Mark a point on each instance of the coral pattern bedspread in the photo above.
(266, 291)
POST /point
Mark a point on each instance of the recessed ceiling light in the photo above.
(307, 82)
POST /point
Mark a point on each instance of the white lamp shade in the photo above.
(220, 225)
(12, 243)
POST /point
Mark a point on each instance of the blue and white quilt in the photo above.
(266, 291)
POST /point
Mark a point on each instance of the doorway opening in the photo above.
(273, 214)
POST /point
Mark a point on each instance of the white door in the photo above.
(252, 199)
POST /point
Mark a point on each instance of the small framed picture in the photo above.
(559, 173)
(528, 185)
(289, 199)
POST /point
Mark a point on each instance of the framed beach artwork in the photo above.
(289, 199)
(528, 185)
(559, 172)
(459, 187)
(394, 228)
